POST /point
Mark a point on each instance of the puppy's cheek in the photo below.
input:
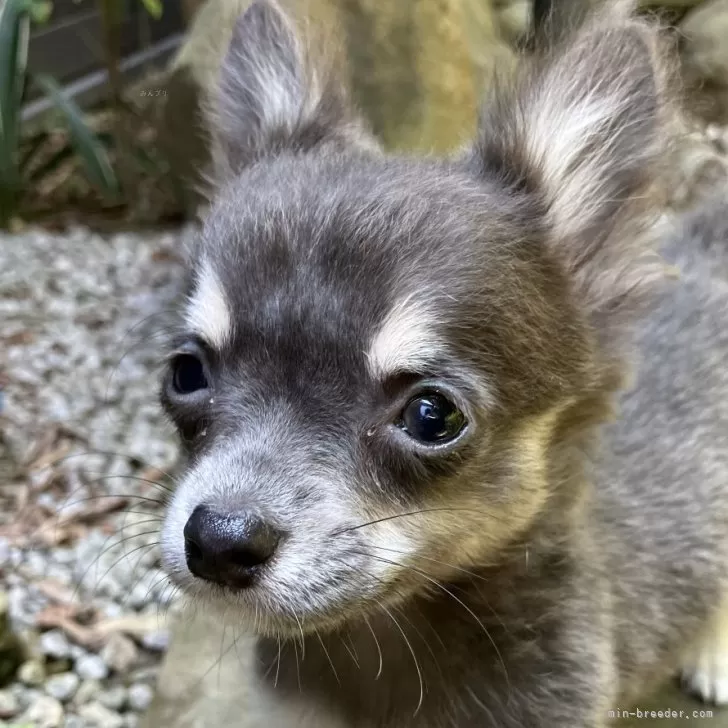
(390, 552)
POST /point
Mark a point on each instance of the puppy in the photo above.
(396, 382)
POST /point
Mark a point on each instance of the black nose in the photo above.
(228, 548)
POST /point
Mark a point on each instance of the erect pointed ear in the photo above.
(581, 132)
(272, 97)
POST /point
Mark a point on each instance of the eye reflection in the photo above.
(432, 418)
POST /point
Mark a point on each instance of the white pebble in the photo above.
(55, 644)
(114, 698)
(62, 687)
(98, 716)
(77, 652)
(140, 697)
(45, 712)
(157, 641)
(5, 552)
(31, 672)
(87, 692)
(73, 721)
(91, 667)
(9, 705)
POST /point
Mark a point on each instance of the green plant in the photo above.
(153, 7)
(15, 19)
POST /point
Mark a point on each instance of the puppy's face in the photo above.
(378, 353)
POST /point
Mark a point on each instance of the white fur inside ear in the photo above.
(560, 139)
(208, 312)
(281, 92)
(705, 672)
(591, 122)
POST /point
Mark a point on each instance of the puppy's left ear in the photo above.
(582, 134)
(272, 97)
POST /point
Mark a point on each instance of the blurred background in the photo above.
(101, 160)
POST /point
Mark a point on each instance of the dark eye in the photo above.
(432, 418)
(188, 374)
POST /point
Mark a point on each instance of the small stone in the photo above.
(59, 573)
(131, 720)
(5, 552)
(120, 653)
(157, 641)
(112, 610)
(9, 705)
(18, 606)
(91, 667)
(26, 696)
(30, 639)
(64, 556)
(73, 721)
(98, 716)
(88, 691)
(55, 644)
(63, 687)
(35, 562)
(32, 672)
(114, 698)
(140, 697)
(77, 652)
(45, 712)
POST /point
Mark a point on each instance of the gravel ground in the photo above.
(84, 457)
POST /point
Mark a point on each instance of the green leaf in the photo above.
(154, 8)
(41, 10)
(14, 34)
(85, 142)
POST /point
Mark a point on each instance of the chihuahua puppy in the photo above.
(396, 382)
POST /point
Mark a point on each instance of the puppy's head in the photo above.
(380, 355)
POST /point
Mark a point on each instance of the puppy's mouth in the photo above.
(274, 583)
(275, 607)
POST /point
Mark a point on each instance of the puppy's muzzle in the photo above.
(228, 549)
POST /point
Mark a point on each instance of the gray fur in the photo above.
(544, 580)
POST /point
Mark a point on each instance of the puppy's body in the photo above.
(662, 494)
(392, 382)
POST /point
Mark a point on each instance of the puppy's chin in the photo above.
(265, 617)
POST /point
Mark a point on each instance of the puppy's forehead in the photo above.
(312, 310)
(404, 336)
(351, 265)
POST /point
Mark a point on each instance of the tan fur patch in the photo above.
(406, 342)
(208, 313)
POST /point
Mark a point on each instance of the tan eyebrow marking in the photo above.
(407, 340)
(208, 312)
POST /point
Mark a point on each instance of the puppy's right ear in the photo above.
(272, 98)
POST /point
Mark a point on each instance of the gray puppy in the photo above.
(396, 380)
